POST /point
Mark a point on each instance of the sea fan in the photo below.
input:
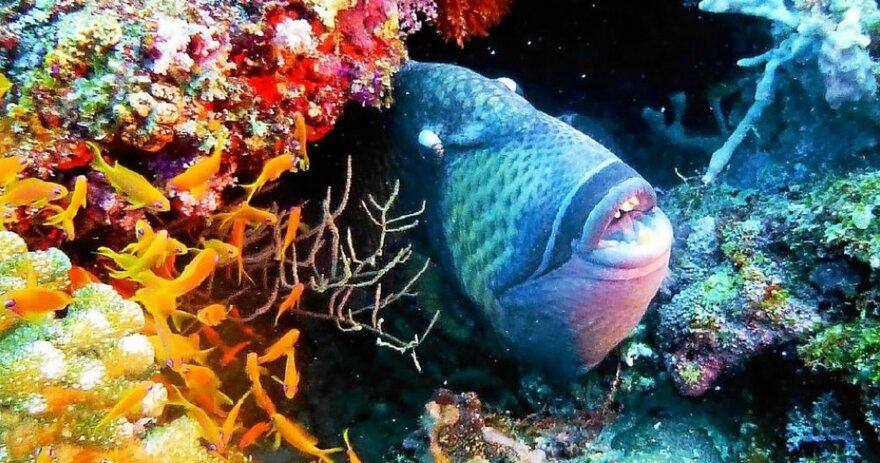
(460, 20)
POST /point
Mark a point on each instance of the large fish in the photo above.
(553, 236)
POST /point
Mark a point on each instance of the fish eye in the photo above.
(268, 220)
(10, 303)
(158, 204)
(56, 192)
(212, 447)
(230, 251)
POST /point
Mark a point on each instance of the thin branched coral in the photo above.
(326, 261)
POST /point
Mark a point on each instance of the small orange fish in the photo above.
(231, 352)
(291, 376)
(143, 234)
(10, 167)
(186, 348)
(63, 219)
(290, 233)
(272, 169)
(195, 178)
(131, 399)
(207, 426)
(195, 272)
(226, 251)
(280, 347)
(253, 373)
(169, 348)
(80, 277)
(212, 315)
(352, 457)
(301, 440)
(204, 387)
(228, 428)
(32, 302)
(200, 268)
(253, 433)
(32, 192)
(300, 132)
(247, 213)
(133, 265)
(213, 337)
(290, 301)
(132, 186)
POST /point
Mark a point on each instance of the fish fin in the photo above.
(178, 317)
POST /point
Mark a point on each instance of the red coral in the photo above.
(460, 20)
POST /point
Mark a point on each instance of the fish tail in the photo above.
(323, 455)
(251, 189)
(98, 162)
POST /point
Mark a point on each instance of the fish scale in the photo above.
(509, 195)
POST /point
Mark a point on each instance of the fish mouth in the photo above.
(626, 229)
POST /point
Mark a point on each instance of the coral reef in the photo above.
(61, 375)
(733, 294)
(821, 434)
(825, 49)
(158, 84)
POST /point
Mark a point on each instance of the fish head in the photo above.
(594, 283)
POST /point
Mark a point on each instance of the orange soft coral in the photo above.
(460, 20)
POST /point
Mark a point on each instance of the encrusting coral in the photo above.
(62, 377)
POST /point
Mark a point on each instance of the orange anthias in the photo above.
(253, 433)
(280, 347)
(299, 439)
(63, 219)
(195, 178)
(290, 233)
(32, 192)
(32, 302)
(290, 301)
(131, 399)
(271, 171)
(253, 372)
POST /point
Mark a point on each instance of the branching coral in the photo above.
(327, 261)
(831, 39)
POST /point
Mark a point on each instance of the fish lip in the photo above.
(629, 254)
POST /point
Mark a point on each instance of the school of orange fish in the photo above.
(147, 269)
